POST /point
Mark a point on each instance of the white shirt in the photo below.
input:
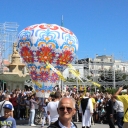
(118, 106)
(52, 108)
(62, 126)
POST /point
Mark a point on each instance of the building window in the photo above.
(117, 66)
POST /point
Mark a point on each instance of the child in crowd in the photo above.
(7, 121)
(45, 117)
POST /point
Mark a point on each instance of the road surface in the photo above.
(77, 123)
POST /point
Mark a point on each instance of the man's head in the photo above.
(6, 97)
(87, 94)
(108, 96)
(57, 95)
(7, 110)
(66, 109)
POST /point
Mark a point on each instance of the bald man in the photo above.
(66, 110)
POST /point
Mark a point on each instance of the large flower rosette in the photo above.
(41, 43)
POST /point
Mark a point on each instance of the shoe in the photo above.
(33, 125)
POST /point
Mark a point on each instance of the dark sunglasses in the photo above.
(67, 108)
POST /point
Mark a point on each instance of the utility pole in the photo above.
(94, 71)
(76, 77)
(113, 69)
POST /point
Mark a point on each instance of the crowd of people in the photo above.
(62, 109)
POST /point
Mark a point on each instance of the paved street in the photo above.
(78, 124)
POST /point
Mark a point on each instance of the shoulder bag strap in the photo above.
(2, 106)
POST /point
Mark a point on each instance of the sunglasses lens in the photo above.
(67, 108)
(61, 109)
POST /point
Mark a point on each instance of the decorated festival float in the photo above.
(47, 50)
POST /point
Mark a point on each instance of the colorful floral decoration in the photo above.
(44, 76)
(46, 43)
(54, 77)
(27, 54)
(50, 88)
(65, 58)
(34, 75)
(45, 54)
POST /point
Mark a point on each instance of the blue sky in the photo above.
(101, 26)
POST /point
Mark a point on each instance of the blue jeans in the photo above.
(31, 116)
(119, 117)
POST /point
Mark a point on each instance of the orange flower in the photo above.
(27, 54)
(45, 54)
(65, 58)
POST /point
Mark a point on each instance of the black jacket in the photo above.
(56, 125)
(109, 107)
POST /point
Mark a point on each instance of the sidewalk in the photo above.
(21, 122)
(77, 123)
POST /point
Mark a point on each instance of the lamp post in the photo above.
(76, 77)
(113, 69)
(114, 85)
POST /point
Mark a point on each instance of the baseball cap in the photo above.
(8, 106)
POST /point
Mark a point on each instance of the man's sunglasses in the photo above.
(67, 108)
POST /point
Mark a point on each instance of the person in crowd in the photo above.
(66, 110)
(86, 109)
(92, 96)
(124, 100)
(28, 91)
(75, 117)
(119, 108)
(46, 117)
(36, 108)
(13, 100)
(32, 110)
(102, 112)
(7, 121)
(79, 114)
(110, 111)
(52, 107)
(19, 95)
(22, 108)
(27, 101)
(4, 102)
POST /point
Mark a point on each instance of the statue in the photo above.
(15, 48)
